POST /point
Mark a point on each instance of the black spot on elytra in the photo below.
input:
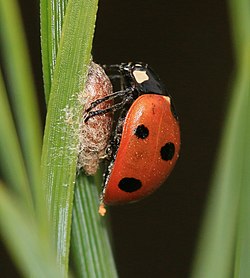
(167, 151)
(129, 184)
(142, 132)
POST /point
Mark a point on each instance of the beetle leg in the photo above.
(108, 97)
(112, 108)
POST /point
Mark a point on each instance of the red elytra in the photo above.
(148, 150)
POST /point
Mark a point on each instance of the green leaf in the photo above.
(30, 248)
(52, 17)
(22, 90)
(12, 163)
(60, 149)
(91, 250)
(225, 236)
(52, 14)
(240, 13)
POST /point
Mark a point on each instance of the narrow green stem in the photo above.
(91, 249)
(31, 251)
(60, 148)
(22, 94)
(51, 15)
(225, 231)
(12, 162)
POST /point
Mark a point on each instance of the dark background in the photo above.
(188, 43)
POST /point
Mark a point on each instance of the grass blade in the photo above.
(81, 253)
(52, 14)
(60, 147)
(12, 164)
(91, 250)
(28, 246)
(20, 82)
(226, 226)
(240, 14)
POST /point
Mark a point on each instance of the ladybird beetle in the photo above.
(146, 141)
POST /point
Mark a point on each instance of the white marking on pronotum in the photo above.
(140, 76)
(167, 99)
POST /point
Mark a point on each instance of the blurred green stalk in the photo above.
(65, 67)
(223, 249)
